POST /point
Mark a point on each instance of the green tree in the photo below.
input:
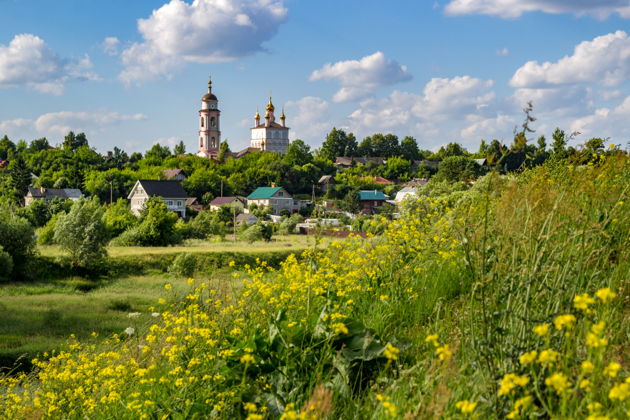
(38, 145)
(118, 218)
(156, 154)
(180, 148)
(82, 233)
(156, 227)
(338, 143)
(409, 149)
(7, 148)
(72, 142)
(224, 149)
(558, 146)
(396, 168)
(20, 177)
(17, 240)
(458, 168)
(351, 202)
(298, 154)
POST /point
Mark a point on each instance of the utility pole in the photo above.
(111, 193)
(234, 220)
(221, 188)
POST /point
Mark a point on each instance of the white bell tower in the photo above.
(209, 128)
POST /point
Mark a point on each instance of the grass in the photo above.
(278, 243)
(39, 317)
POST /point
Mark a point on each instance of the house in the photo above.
(247, 218)
(405, 193)
(4, 163)
(48, 194)
(326, 183)
(277, 198)
(174, 174)
(347, 162)
(194, 204)
(171, 192)
(382, 181)
(236, 202)
(371, 200)
(417, 182)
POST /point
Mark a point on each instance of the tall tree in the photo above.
(338, 143)
(20, 177)
(559, 141)
(224, 149)
(7, 148)
(409, 149)
(180, 148)
(298, 154)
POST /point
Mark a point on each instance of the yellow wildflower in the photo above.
(340, 328)
(247, 359)
(562, 321)
(541, 330)
(612, 369)
(527, 358)
(511, 381)
(433, 339)
(519, 406)
(605, 294)
(443, 352)
(168, 286)
(583, 301)
(587, 367)
(547, 357)
(391, 352)
(619, 392)
(465, 406)
(585, 384)
(592, 340)
(559, 382)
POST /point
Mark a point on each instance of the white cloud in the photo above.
(605, 122)
(499, 127)
(309, 119)
(360, 78)
(28, 61)
(514, 8)
(441, 111)
(503, 51)
(605, 60)
(110, 45)
(56, 124)
(204, 31)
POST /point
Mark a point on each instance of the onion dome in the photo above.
(267, 113)
(257, 116)
(270, 106)
(282, 116)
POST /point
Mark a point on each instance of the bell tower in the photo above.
(209, 128)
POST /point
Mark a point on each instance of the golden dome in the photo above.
(282, 116)
(270, 106)
(267, 113)
(257, 116)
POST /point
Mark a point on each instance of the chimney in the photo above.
(42, 190)
(273, 185)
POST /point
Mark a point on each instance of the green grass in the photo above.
(39, 317)
(278, 243)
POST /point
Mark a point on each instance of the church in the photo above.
(267, 135)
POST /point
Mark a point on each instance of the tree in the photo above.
(72, 142)
(409, 149)
(7, 148)
(559, 142)
(180, 148)
(82, 233)
(119, 158)
(156, 154)
(224, 149)
(20, 177)
(156, 227)
(118, 218)
(298, 154)
(396, 168)
(351, 202)
(338, 143)
(16, 240)
(458, 168)
(38, 145)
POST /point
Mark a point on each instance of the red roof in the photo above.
(381, 180)
(220, 201)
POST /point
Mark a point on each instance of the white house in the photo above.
(48, 194)
(171, 192)
(405, 193)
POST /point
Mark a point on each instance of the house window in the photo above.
(169, 203)
(179, 203)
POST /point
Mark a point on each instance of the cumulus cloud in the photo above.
(514, 8)
(204, 31)
(605, 60)
(606, 122)
(360, 78)
(309, 118)
(441, 110)
(59, 123)
(488, 128)
(503, 51)
(28, 61)
(110, 45)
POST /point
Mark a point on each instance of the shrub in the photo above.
(183, 265)
(82, 233)
(257, 232)
(6, 265)
(46, 234)
(17, 240)
(118, 218)
(156, 227)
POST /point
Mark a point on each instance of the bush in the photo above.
(17, 240)
(6, 265)
(118, 218)
(82, 233)
(156, 228)
(183, 265)
(257, 232)
(46, 234)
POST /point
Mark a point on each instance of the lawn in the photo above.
(278, 243)
(39, 317)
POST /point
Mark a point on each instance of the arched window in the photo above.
(200, 141)
(213, 122)
(202, 121)
(214, 142)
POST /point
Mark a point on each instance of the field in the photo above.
(38, 317)
(509, 300)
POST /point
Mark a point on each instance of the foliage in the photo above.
(155, 228)
(46, 234)
(6, 265)
(183, 265)
(83, 233)
(257, 232)
(118, 218)
(458, 168)
(338, 143)
(17, 240)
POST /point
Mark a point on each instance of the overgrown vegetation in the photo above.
(502, 301)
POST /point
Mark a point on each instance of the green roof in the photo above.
(263, 192)
(372, 195)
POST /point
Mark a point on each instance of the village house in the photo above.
(371, 201)
(247, 218)
(235, 202)
(174, 174)
(171, 192)
(276, 198)
(48, 194)
(326, 183)
(405, 193)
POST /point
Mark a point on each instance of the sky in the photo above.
(132, 73)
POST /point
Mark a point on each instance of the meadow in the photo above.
(509, 300)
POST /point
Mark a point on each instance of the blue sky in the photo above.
(131, 74)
